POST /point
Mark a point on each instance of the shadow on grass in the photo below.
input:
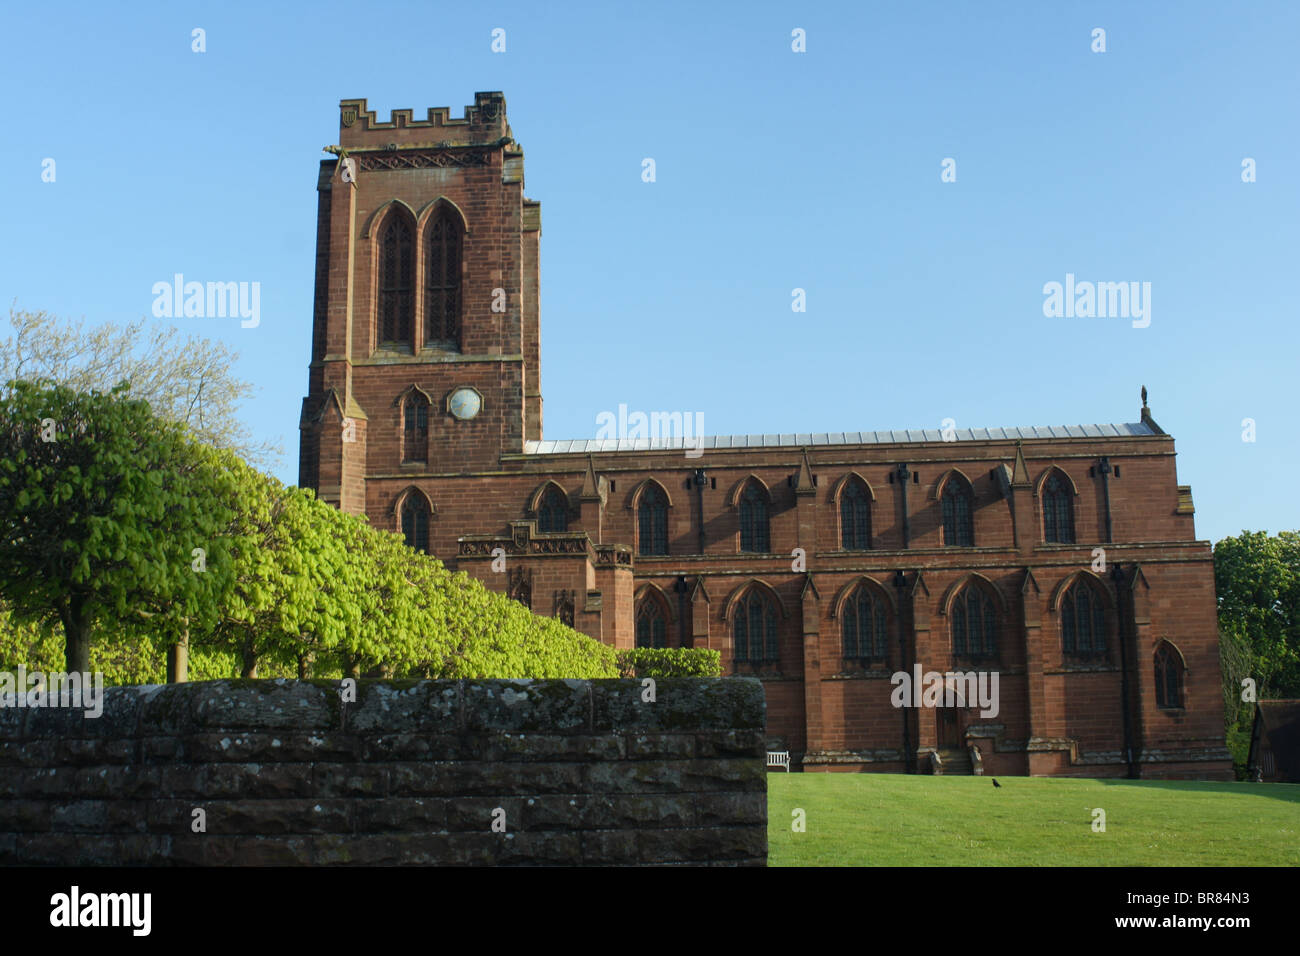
(1288, 792)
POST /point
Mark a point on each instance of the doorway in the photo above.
(949, 722)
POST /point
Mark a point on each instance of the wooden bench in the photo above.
(779, 758)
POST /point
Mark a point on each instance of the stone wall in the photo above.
(288, 773)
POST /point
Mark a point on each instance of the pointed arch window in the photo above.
(864, 633)
(855, 517)
(958, 529)
(415, 428)
(652, 521)
(552, 512)
(1169, 678)
(754, 629)
(442, 254)
(415, 522)
(1058, 512)
(396, 282)
(562, 610)
(651, 625)
(519, 587)
(754, 536)
(974, 626)
(1083, 624)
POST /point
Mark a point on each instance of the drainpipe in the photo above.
(1103, 467)
(903, 476)
(900, 582)
(699, 497)
(1117, 575)
(684, 638)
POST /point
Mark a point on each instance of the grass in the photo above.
(876, 819)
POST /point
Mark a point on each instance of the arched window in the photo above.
(415, 428)
(562, 610)
(1058, 511)
(442, 244)
(519, 587)
(864, 626)
(651, 627)
(552, 512)
(1169, 678)
(415, 522)
(652, 521)
(958, 530)
(974, 625)
(855, 517)
(754, 628)
(1083, 626)
(753, 521)
(396, 282)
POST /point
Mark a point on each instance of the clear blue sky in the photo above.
(775, 170)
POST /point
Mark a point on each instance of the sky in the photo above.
(922, 171)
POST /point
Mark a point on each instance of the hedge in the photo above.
(670, 662)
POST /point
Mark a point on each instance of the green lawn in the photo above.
(877, 819)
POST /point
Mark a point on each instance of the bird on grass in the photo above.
(996, 784)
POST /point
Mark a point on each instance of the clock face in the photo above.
(464, 403)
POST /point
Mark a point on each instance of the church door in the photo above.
(949, 719)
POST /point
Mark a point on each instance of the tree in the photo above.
(188, 381)
(106, 509)
(1257, 578)
(297, 585)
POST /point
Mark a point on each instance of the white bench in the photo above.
(779, 758)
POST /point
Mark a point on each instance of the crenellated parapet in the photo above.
(484, 124)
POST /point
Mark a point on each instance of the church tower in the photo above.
(426, 347)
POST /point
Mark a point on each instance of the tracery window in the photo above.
(754, 521)
(958, 529)
(855, 517)
(974, 625)
(754, 628)
(396, 282)
(442, 252)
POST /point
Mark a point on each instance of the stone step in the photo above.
(955, 763)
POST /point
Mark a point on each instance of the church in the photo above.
(1057, 566)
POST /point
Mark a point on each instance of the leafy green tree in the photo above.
(277, 570)
(1257, 578)
(106, 509)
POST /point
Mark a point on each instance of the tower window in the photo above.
(415, 522)
(442, 282)
(396, 284)
(415, 428)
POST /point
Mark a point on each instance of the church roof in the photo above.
(816, 439)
